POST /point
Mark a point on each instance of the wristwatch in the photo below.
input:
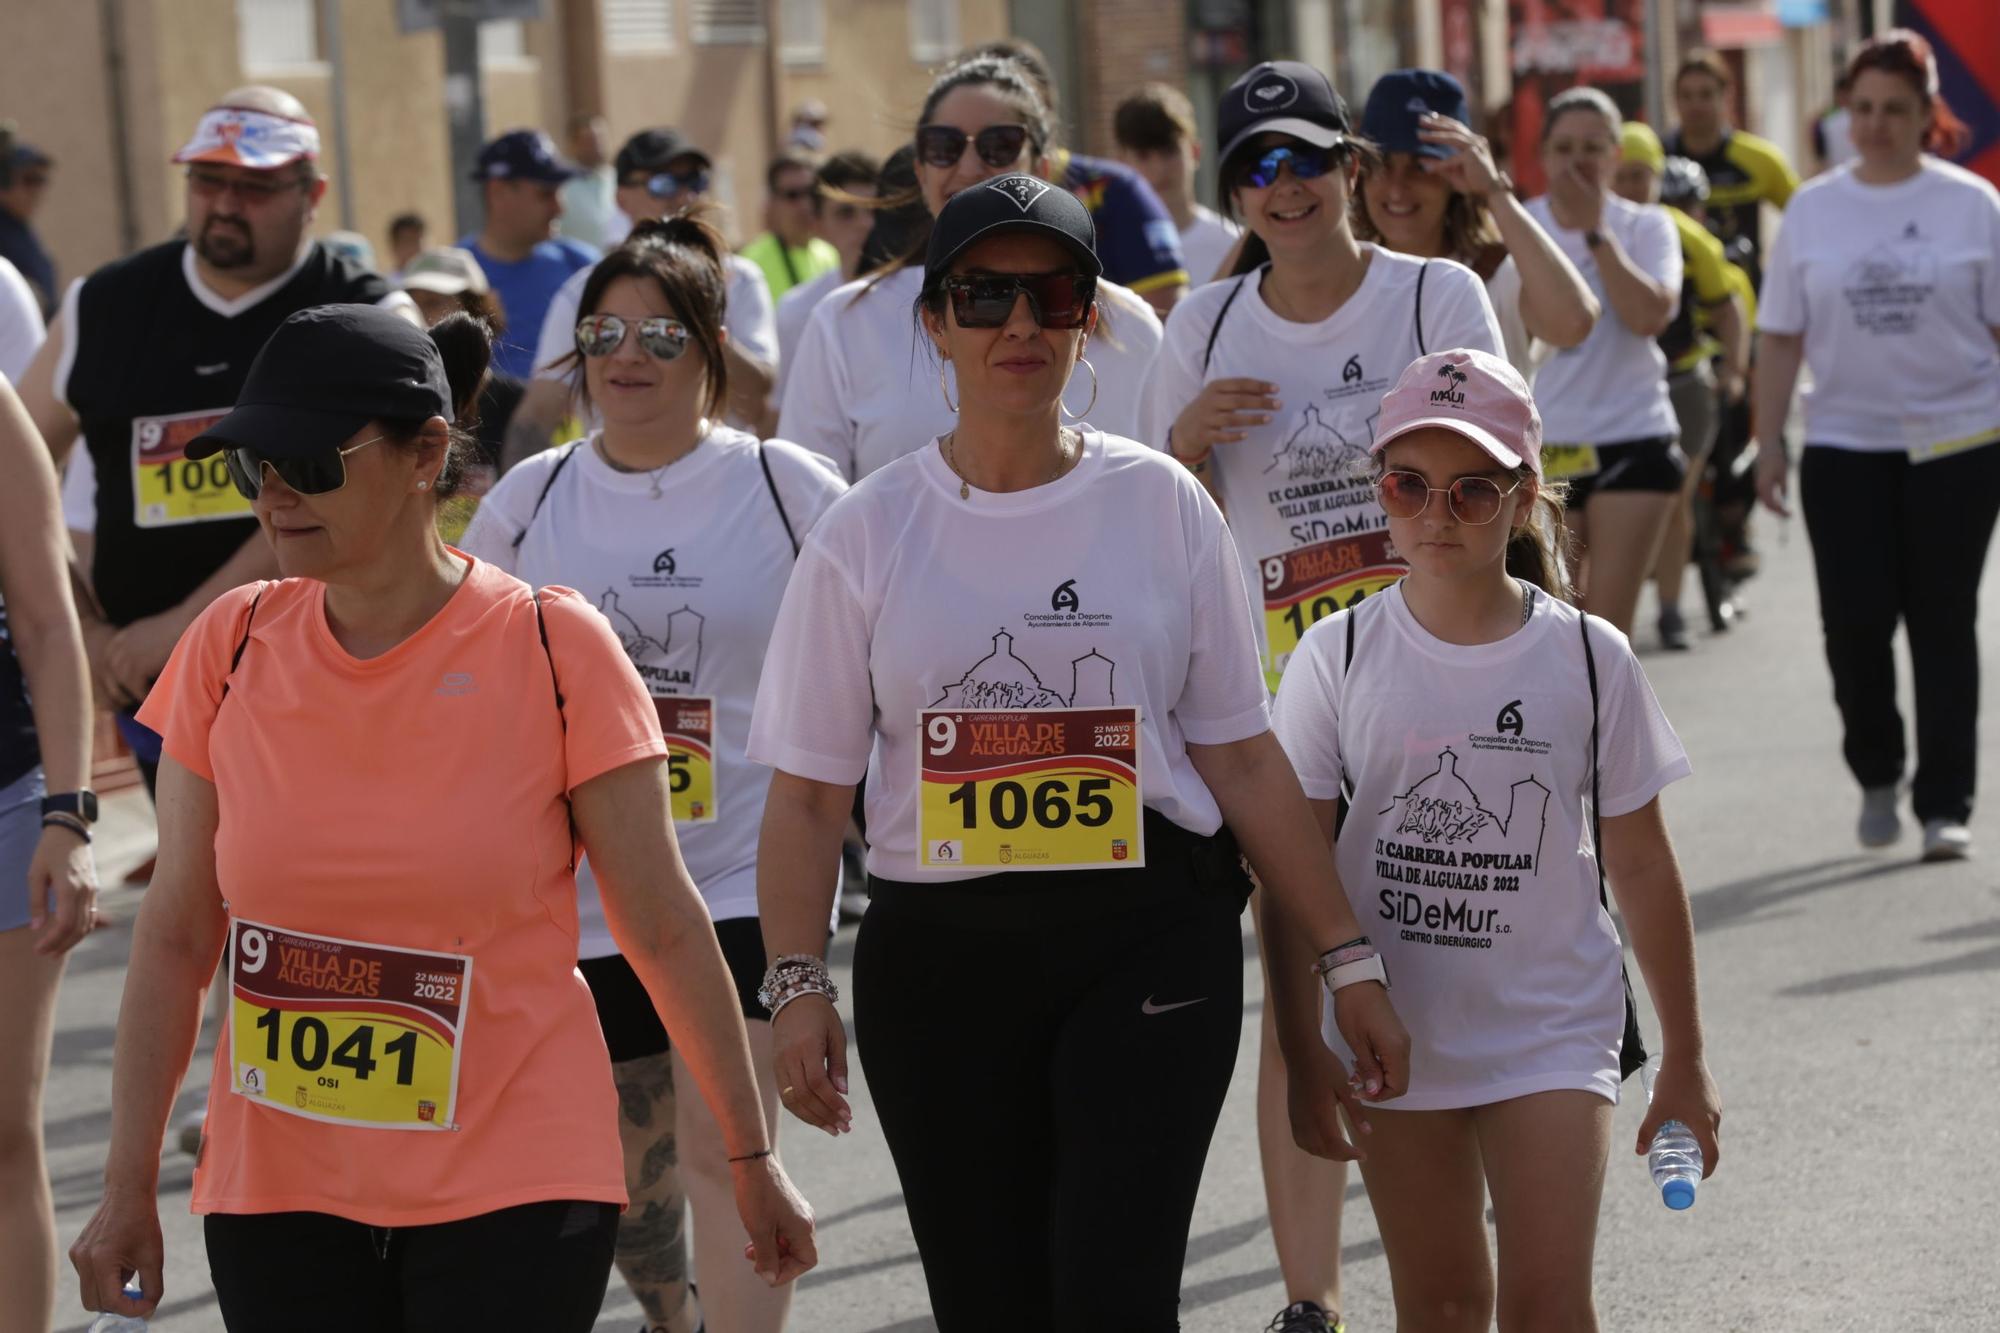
(1362, 969)
(81, 804)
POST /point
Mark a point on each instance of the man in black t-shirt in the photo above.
(147, 351)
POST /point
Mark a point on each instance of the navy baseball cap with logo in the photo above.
(1006, 204)
(522, 155)
(1397, 104)
(653, 150)
(1281, 97)
(328, 371)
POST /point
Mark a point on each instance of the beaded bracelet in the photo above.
(793, 975)
(57, 819)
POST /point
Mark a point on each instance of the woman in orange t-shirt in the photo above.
(411, 1117)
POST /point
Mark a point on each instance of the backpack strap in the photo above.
(554, 472)
(1346, 670)
(1208, 352)
(1632, 1043)
(562, 719)
(242, 645)
(771, 484)
(1421, 349)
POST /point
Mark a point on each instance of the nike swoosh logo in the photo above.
(215, 369)
(1150, 1008)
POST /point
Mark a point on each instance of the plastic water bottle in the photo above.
(1674, 1157)
(121, 1323)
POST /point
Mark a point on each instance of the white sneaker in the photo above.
(1879, 825)
(1946, 840)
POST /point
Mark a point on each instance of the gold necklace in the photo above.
(965, 487)
(653, 478)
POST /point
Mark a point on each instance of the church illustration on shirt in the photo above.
(668, 665)
(1317, 451)
(1443, 809)
(1002, 680)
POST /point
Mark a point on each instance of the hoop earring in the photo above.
(945, 388)
(1078, 416)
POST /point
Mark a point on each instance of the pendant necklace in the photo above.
(965, 487)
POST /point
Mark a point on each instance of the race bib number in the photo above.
(1030, 789)
(689, 726)
(1567, 462)
(357, 1034)
(1928, 439)
(168, 487)
(1304, 587)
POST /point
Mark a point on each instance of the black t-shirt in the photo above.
(154, 367)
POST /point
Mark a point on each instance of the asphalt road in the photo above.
(1854, 1027)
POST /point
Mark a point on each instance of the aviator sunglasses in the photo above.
(1306, 163)
(986, 300)
(601, 335)
(1474, 501)
(998, 145)
(321, 474)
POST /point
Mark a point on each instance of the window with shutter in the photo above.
(272, 34)
(802, 32)
(933, 30)
(729, 22)
(638, 26)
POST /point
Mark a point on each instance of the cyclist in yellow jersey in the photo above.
(1743, 170)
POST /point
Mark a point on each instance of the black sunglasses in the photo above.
(601, 335)
(1261, 173)
(986, 300)
(321, 474)
(998, 145)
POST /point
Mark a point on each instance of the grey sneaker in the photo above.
(1674, 630)
(1879, 825)
(1946, 840)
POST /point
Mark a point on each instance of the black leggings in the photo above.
(1048, 1084)
(541, 1266)
(1895, 540)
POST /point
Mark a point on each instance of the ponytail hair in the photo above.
(1538, 552)
(465, 345)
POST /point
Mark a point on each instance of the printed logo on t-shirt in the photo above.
(1002, 679)
(1509, 721)
(670, 663)
(1066, 611)
(1317, 450)
(1064, 597)
(1351, 372)
(665, 574)
(1887, 288)
(1441, 839)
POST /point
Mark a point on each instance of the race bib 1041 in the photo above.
(168, 487)
(1030, 789)
(689, 726)
(333, 1029)
(1304, 587)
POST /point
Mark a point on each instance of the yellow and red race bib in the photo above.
(1568, 462)
(1030, 789)
(338, 1030)
(1304, 587)
(168, 487)
(1927, 439)
(689, 726)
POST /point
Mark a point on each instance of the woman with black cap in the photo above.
(401, 939)
(1034, 641)
(1435, 192)
(1266, 389)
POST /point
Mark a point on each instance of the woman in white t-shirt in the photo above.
(1613, 436)
(1482, 756)
(1267, 388)
(1885, 280)
(1435, 192)
(858, 391)
(682, 532)
(1034, 642)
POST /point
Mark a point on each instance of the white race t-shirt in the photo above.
(1206, 242)
(795, 310)
(1611, 388)
(864, 389)
(1503, 289)
(691, 582)
(1114, 586)
(1466, 853)
(21, 328)
(750, 318)
(1895, 288)
(1302, 482)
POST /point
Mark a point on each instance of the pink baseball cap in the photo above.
(1471, 393)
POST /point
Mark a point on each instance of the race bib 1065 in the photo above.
(689, 726)
(1030, 789)
(168, 487)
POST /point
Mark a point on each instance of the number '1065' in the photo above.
(1009, 805)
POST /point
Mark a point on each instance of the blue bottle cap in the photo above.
(1678, 1194)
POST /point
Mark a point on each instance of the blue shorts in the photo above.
(20, 830)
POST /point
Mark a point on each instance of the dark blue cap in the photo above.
(522, 155)
(1398, 101)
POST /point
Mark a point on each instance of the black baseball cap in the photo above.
(1281, 97)
(1010, 203)
(1397, 104)
(328, 371)
(522, 155)
(651, 151)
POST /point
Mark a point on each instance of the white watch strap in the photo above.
(1347, 974)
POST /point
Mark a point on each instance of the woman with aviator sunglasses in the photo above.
(858, 389)
(1034, 642)
(378, 772)
(682, 531)
(1267, 389)
(1482, 756)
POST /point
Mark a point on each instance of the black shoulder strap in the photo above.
(1346, 671)
(562, 719)
(1426, 268)
(1208, 352)
(554, 472)
(1596, 820)
(771, 484)
(242, 645)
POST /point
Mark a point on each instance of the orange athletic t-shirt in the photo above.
(416, 800)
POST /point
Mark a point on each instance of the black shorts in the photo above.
(1656, 465)
(632, 1027)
